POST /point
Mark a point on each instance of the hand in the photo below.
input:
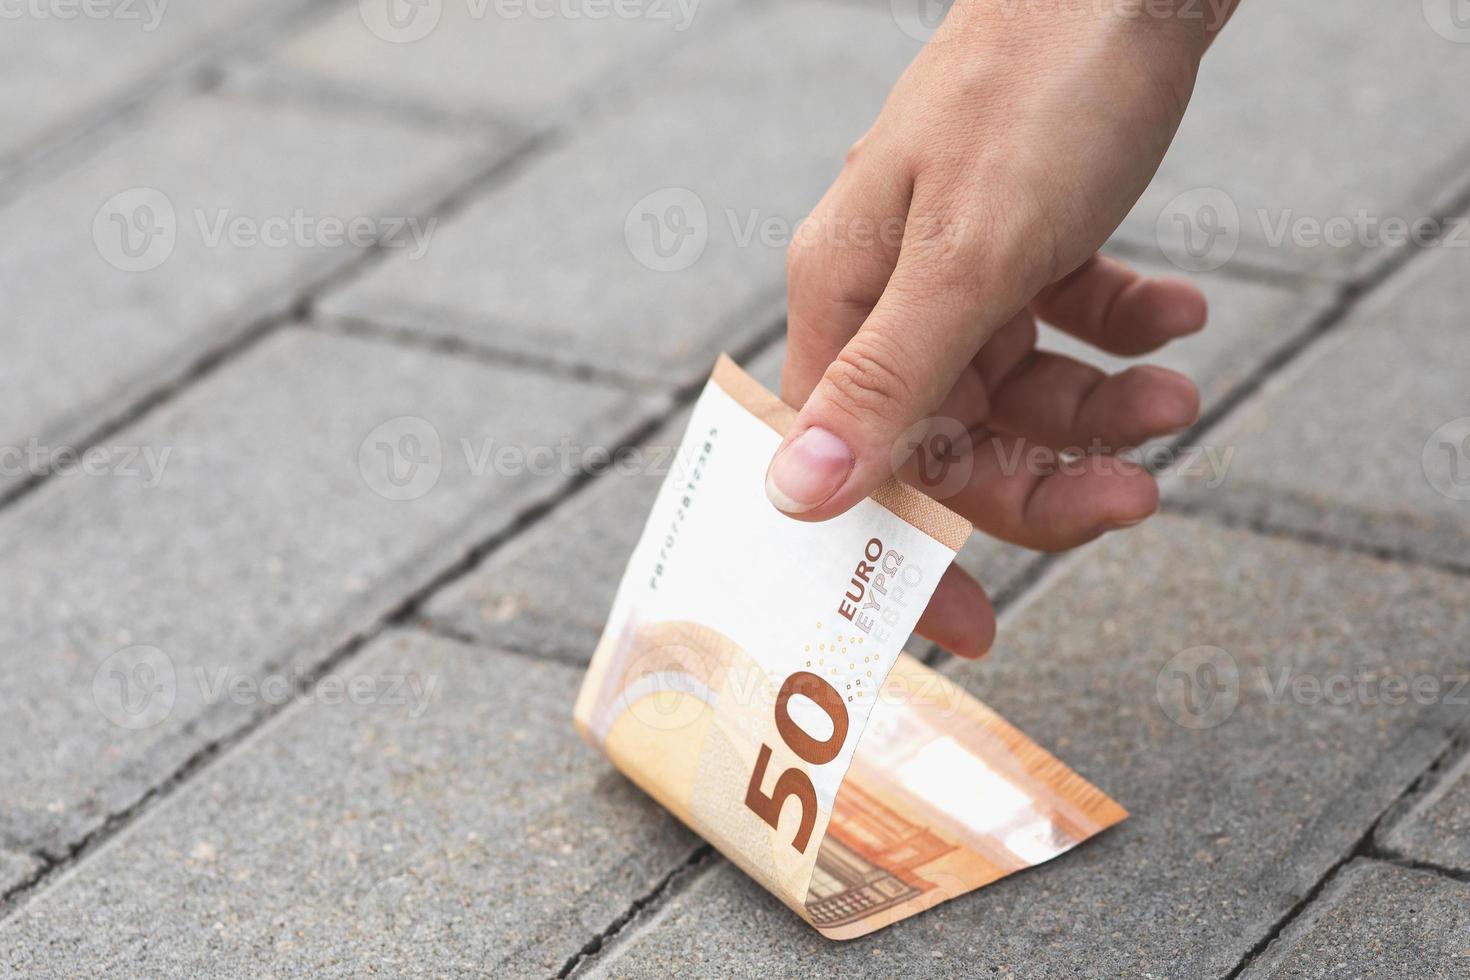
(1003, 159)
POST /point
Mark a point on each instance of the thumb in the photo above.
(936, 311)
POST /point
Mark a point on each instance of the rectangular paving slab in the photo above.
(444, 821)
(1434, 826)
(1367, 438)
(1361, 142)
(1152, 663)
(1376, 920)
(212, 214)
(296, 496)
(66, 62)
(658, 237)
(531, 61)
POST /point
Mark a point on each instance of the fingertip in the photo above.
(1179, 307)
(960, 617)
(1131, 500)
(1164, 401)
(807, 471)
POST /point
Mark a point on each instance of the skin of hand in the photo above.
(1004, 157)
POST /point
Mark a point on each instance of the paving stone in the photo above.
(734, 151)
(464, 831)
(270, 533)
(1367, 132)
(15, 869)
(1367, 438)
(85, 335)
(1434, 827)
(1238, 808)
(530, 61)
(1377, 920)
(66, 64)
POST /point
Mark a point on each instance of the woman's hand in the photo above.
(1003, 159)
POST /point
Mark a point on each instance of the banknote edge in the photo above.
(908, 504)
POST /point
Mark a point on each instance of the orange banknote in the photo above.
(751, 679)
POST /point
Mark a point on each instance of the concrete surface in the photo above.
(1368, 439)
(268, 533)
(1434, 826)
(561, 263)
(1240, 798)
(1302, 140)
(177, 799)
(449, 831)
(1377, 920)
(123, 271)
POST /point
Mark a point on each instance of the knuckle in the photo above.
(868, 383)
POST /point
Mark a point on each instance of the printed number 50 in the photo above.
(795, 782)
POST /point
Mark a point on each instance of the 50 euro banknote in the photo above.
(751, 679)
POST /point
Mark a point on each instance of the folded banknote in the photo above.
(751, 679)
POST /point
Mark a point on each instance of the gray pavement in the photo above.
(1377, 920)
(320, 322)
(1238, 805)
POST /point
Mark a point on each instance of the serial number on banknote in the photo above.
(687, 492)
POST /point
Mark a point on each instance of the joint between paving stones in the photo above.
(203, 73)
(695, 865)
(1363, 848)
(1227, 516)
